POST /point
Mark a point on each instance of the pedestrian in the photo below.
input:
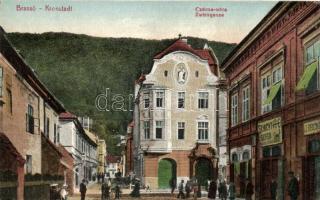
(232, 191)
(188, 189)
(212, 190)
(195, 188)
(199, 190)
(136, 189)
(83, 189)
(118, 174)
(63, 192)
(273, 189)
(293, 186)
(105, 191)
(117, 191)
(180, 188)
(173, 184)
(224, 190)
(249, 190)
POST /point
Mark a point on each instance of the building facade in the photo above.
(222, 115)
(82, 148)
(23, 98)
(113, 164)
(273, 79)
(101, 155)
(128, 157)
(176, 123)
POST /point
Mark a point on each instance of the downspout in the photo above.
(217, 131)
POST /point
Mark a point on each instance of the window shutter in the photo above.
(31, 120)
(27, 122)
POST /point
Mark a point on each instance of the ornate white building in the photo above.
(175, 132)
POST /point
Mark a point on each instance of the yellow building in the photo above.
(102, 152)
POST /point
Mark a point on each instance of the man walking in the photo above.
(212, 190)
(173, 184)
(83, 189)
(181, 193)
(273, 189)
(249, 190)
(293, 186)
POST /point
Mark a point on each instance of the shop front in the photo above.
(241, 167)
(271, 157)
(311, 162)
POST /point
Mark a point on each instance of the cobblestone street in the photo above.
(93, 193)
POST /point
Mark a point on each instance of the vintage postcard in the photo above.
(181, 99)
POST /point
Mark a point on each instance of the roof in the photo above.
(235, 53)
(181, 45)
(9, 148)
(91, 136)
(205, 54)
(178, 45)
(67, 115)
(141, 79)
(113, 159)
(20, 65)
(51, 144)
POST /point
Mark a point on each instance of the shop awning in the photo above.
(307, 75)
(273, 92)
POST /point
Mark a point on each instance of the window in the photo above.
(30, 120)
(313, 55)
(1, 80)
(234, 157)
(181, 99)
(55, 134)
(181, 126)
(47, 127)
(266, 85)
(272, 89)
(29, 164)
(159, 99)
(197, 74)
(203, 100)
(246, 155)
(9, 100)
(314, 146)
(234, 109)
(146, 127)
(203, 130)
(146, 100)
(159, 129)
(271, 151)
(165, 73)
(246, 104)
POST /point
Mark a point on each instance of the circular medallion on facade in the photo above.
(181, 73)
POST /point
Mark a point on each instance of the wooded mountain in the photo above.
(77, 68)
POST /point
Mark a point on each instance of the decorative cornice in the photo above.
(269, 29)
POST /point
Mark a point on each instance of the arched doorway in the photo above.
(167, 169)
(203, 170)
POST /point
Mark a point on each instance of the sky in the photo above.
(136, 19)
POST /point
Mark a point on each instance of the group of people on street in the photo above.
(224, 191)
(184, 190)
